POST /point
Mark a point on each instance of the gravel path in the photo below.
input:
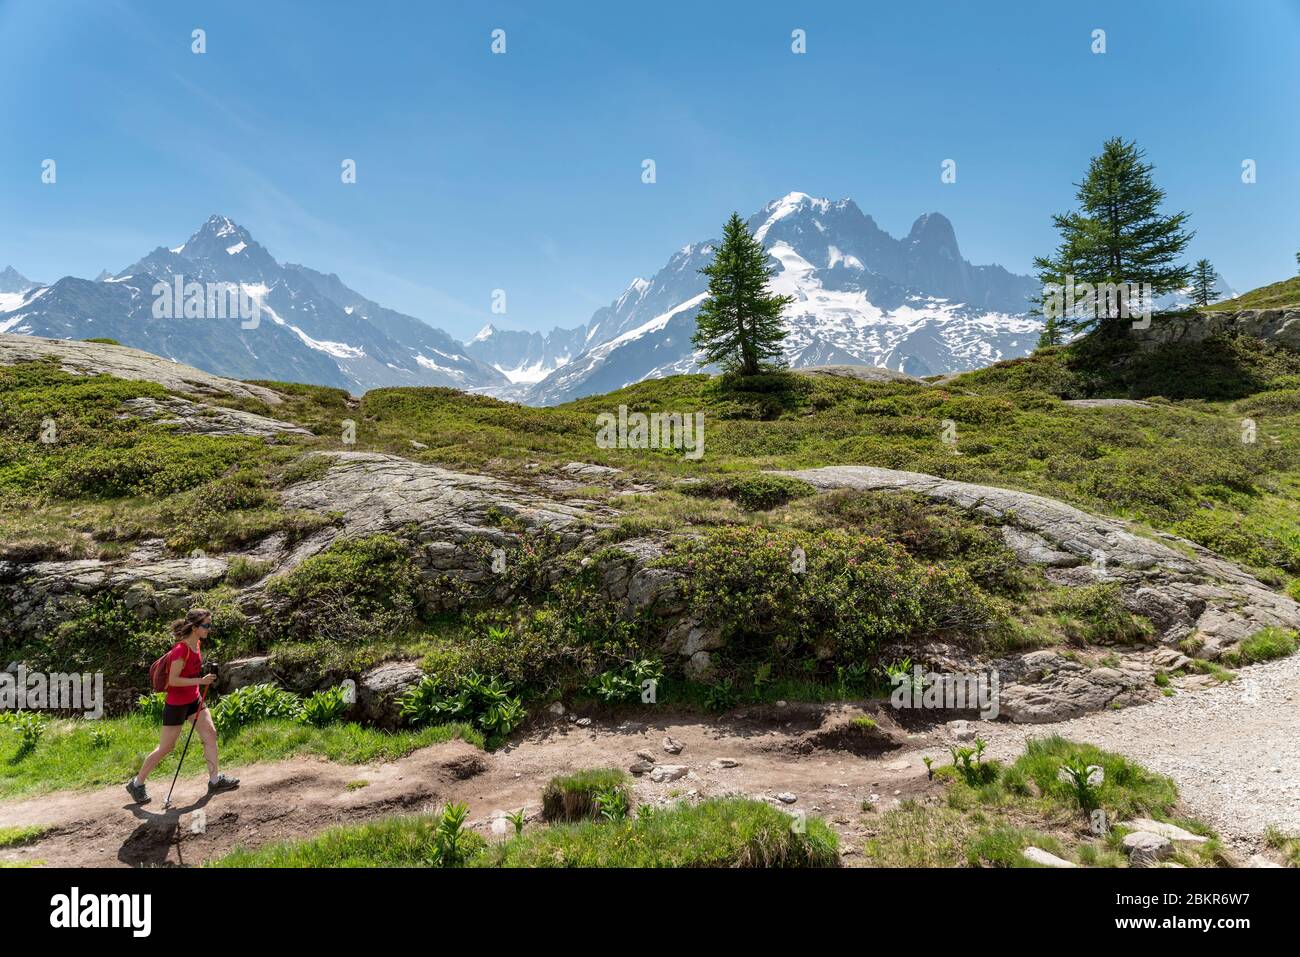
(1234, 749)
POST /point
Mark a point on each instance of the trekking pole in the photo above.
(203, 701)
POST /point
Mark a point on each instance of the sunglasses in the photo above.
(206, 624)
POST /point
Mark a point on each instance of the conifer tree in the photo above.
(1118, 234)
(739, 325)
(1051, 334)
(1202, 283)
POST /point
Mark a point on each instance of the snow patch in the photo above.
(428, 363)
(526, 374)
(8, 324)
(339, 350)
(850, 262)
(9, 301)
(786, 205)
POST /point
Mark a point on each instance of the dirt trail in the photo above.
(1233, 750)
(810, 751)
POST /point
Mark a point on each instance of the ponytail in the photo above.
(182, 627)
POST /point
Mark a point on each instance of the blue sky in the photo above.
(523, 171)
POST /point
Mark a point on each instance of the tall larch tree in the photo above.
(739, 324)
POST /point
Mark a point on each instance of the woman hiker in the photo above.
(185, 663)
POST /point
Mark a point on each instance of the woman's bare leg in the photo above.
(208, 735)
(165, 745)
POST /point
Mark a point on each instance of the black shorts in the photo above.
(174, 714)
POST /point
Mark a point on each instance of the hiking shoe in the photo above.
(138, 794)
(224, 782)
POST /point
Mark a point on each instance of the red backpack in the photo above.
(160, 670)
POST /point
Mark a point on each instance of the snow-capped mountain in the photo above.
(525, 357)
(12, 281)
(311, 327)
(861, 297)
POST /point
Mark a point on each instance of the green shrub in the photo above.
(1095, 614)
(930, 532)
(245, 571)
(415, 841)
(1278, 401)
(452, 844)
(625, 684)
(153, 464)
(1264, 645)
(1127, 790)
(1224, 532)
(577, 796)
(253, 703)
(151, 705)
(556, 647)
(484, 702)
(729, 832)
(30, 725)
(356, 589)
(721, 696)
(752, 491)
(857, 592)
(103, 634)
(324, 707)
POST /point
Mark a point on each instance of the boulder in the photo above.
(699, 666)
(1272, 325)
(668, 772)
(242, 672)
(1106, 403)
(1053, 688)
(1166, 830)
(960, 730)
(93, 358)
(1042, 858)
(380, 688)
(1146, 849)
(199, 418)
